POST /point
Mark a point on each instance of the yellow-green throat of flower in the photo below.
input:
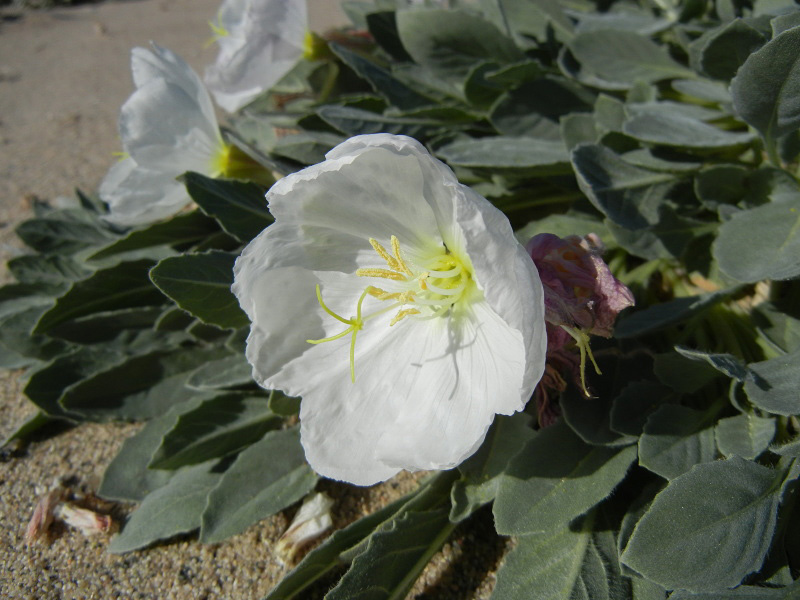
(422, 291)
(229, 161)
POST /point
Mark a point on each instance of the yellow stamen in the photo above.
(435, 291)
(401, 314)
(401, 264)
(384, 273)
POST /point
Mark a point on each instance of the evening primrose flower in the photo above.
(259, 42)
(397, 303)
(167, 127)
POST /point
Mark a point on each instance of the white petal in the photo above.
(376, 190)
(159, 115)
(424, 396)
(514, 292)
(163, 64)
(263, 43)
(136, 196)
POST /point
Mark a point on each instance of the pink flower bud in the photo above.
(579, 290)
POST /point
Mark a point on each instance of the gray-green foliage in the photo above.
(671, 129)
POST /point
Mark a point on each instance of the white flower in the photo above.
(259, 42)
(397, 303)
(167, 127)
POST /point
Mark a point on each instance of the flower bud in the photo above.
(579, 290)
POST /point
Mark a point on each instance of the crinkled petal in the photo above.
(262, 45)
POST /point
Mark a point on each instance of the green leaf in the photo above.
(239, 207)
(777, 327)
(125, 285)
(127, 477)
(675, 439)
(628, 195)
(703, 89)
(394, 557)
(534, 108)
(47, 384)
(480, 473)
(533, 19)
(520, 155)
(451, 41)
(744, 435)
(329, 554)
(682, 131)
(18, 348)
(218, 427)
(140, 387)
(667, 314)
(622, 57)
(306, 148)
(229, 372)
(201, 284)
(106, 325)
(724, 363)
(709, 528)
(170, 510)
(670, 238)
(771, 236)
(180, 230)
(590, 418)
(555, 478)
(774, 387)
(382, 81)
(568, 563)
(27, 428)
(355, 121)
(47, 269)
(635, 403)
(720, 52)
(383, 27)
(721, 184)
(563, 225)
(745, 592)
(682, 374)
(265, 478)
(64, 232)
(766, 90)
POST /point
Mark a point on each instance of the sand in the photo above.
(64, 73)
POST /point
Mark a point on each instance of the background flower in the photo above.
(454, 337)
(167, 127)
(259, 42)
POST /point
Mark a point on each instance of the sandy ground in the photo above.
(63, 76)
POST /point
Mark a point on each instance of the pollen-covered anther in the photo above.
(384, 273)
(401, 314)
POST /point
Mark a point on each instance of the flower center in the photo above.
(423, 291)
(229, 161)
